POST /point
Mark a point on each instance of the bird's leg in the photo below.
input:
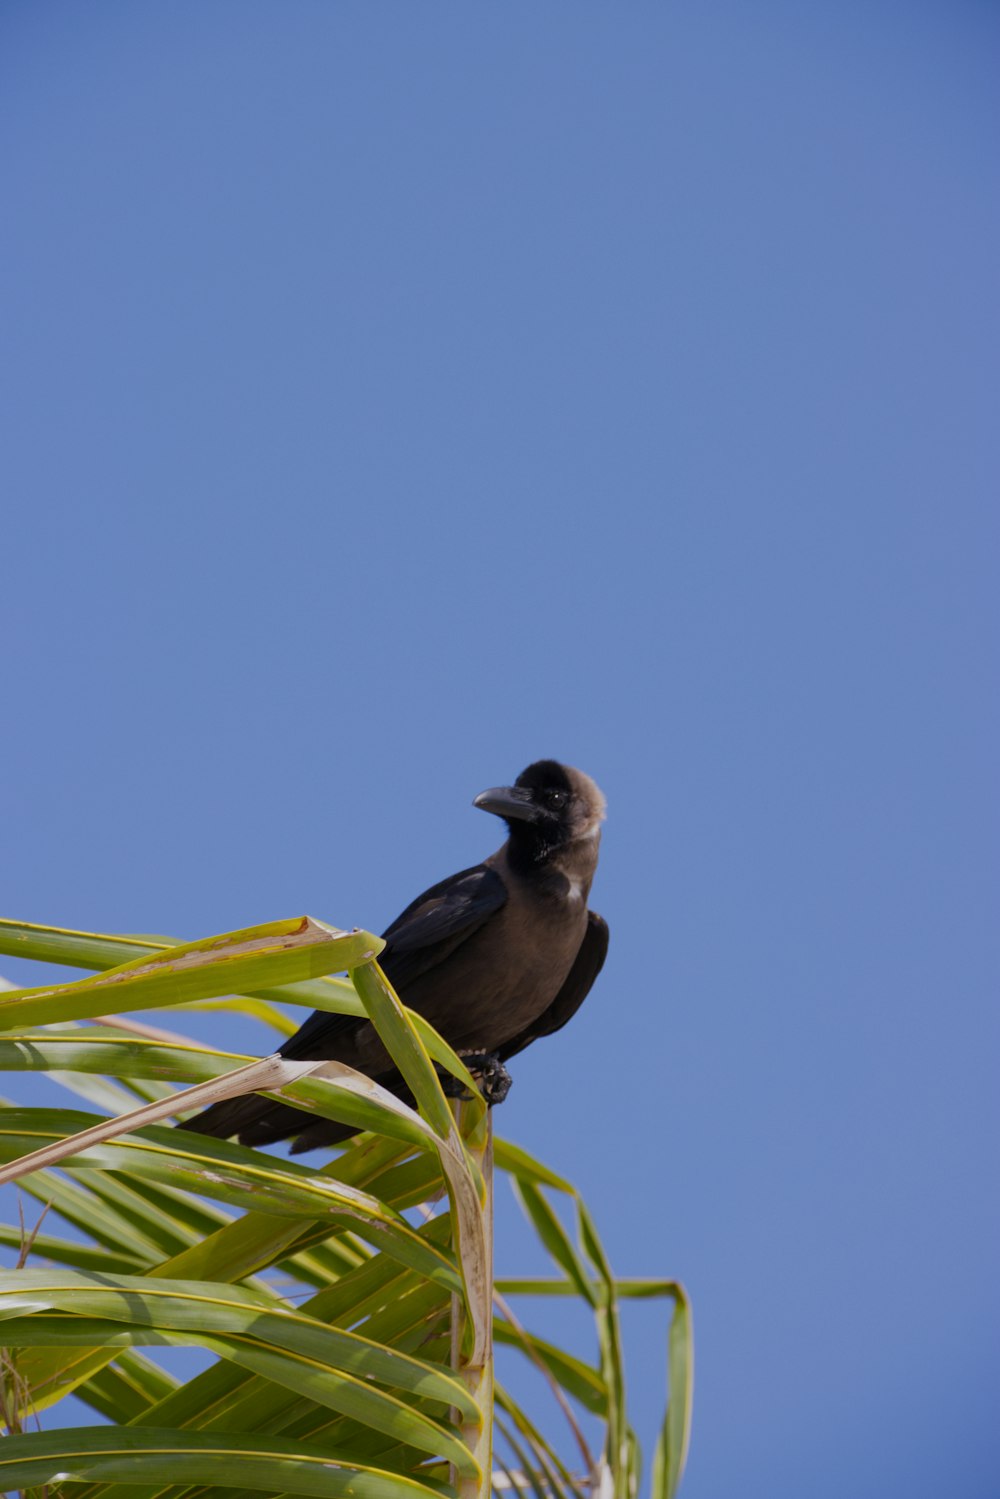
(451, 1086)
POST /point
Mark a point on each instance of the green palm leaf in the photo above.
(376, 1379)
(277, 952)
(147, 1455)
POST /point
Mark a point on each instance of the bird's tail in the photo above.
(260, 1121)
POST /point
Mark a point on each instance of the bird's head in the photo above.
(549, 807)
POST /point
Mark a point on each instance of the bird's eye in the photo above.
(556, 799)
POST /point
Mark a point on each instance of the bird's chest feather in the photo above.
(506, 975)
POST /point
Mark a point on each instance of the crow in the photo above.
(494, 957)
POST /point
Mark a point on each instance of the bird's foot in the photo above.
(491, 1076)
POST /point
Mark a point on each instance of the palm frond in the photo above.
(351, 1345)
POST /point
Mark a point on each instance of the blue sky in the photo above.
(396, 394)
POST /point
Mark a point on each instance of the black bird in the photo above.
(493, 957)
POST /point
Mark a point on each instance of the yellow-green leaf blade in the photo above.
(273, 953)
(137, 1454)
(675, 1435)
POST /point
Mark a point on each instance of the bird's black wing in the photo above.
(577, 985)
(422, 936)
(470, 887)
(438, 921)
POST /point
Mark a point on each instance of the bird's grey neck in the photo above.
(566, 868)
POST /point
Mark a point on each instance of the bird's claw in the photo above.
(491, 1076)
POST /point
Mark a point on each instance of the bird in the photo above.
(494, 957)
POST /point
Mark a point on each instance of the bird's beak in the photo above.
(509, 801)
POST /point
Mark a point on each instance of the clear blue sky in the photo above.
(395, 394)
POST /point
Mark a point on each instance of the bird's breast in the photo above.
(504, 976)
